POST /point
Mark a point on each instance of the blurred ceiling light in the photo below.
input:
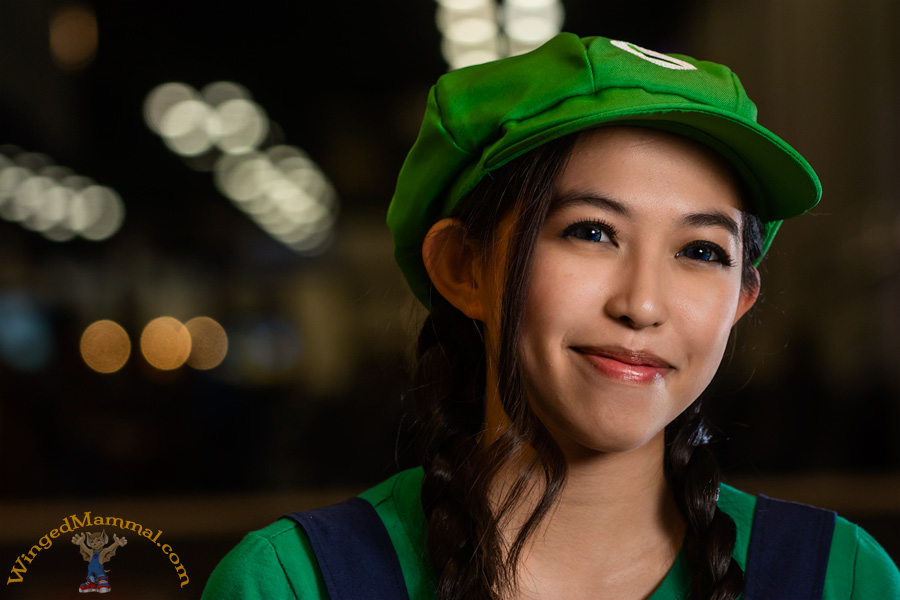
(463, 5)
(477, 31)
(73, 36)
(221, 91)
(530, 4)
(284, 192)
(209, 343)
(96, 212)
(530, 23)
(166, 343)
(161, 99)
(11, 178)
(242, 126)
(52, 209)
(56, 202)
(471, 31)
(281, 189)
(28, 198)
(185, 127)
(191, 123)
(458, 58)
(105, 346)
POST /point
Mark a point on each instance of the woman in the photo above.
(584, 223)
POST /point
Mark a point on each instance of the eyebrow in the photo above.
(591, 199)
(713, 219)
(704, 219)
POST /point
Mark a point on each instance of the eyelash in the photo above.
(723, 257)
(609, 230)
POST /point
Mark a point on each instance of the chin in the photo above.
(607, 440)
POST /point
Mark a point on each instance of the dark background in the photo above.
(807, 404)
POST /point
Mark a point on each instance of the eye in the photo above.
(590, 231)
(704, 251)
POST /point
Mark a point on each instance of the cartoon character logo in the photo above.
(97, 555)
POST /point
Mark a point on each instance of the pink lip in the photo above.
(633, 366)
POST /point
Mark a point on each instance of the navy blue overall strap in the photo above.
(354, 551)
(788, 555)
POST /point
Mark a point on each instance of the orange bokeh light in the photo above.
(73, 37)
(165, 343)
(209, 343)
(105, 346)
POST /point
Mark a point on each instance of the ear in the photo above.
(748, 297)
(453, 267)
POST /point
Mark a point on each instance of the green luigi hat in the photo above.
(481, 117)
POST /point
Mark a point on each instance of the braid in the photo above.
(693, 474)
(450, 413)
(470, 557)
(693, 471)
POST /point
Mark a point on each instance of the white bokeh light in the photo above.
(478, 31)
(281, 189)
(162, 98)
(48, 199)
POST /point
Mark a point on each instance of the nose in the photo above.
(638, 296)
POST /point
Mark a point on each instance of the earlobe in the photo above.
(748, 297)
(453, 267)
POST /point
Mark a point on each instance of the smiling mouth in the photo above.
(632, 366)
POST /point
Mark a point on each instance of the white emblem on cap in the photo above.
(657, 58)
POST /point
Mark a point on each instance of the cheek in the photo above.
(705, 323)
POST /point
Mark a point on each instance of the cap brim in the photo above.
(780, 180)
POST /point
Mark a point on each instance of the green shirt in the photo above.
(278, 562)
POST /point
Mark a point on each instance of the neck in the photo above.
(615, 523)
(611, 497)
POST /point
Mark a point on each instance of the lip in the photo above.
(624, 364)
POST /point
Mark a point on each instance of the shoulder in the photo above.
(273, 562)
(858, 567)
(398, 502)
(278, 560)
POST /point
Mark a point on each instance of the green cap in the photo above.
(481, 117)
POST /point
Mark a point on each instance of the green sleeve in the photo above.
(275, 562)
(858, 567)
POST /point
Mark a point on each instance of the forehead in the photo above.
(646, 164)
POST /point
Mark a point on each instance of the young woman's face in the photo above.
(635, 285)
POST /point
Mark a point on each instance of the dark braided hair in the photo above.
(469, 557)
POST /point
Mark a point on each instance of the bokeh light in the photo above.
(530, 23)
(242, 126)
(284, 192)
(73, 36)
(470, 32)
(96, 212)
(26, 336)
(280, 188)
(478, 31)
(55, 201)
(187, 128)
(105, 346)
(161, 99)
(219, 92)
(191, 123)
(209, 343)
(165, 343)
